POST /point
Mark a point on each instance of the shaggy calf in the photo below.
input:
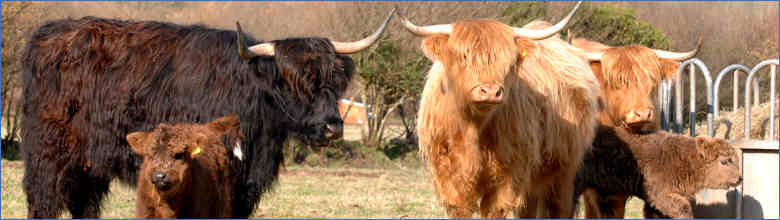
(665, 170)
(185, 173)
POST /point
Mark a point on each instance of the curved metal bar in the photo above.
(716, 90)
(708, 78)
(753, 72)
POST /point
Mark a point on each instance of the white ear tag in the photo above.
(237, 151)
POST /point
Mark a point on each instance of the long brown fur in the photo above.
(664, 169)
(628, 76)
(196, 160)
(525, 152)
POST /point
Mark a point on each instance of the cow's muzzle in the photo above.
(334, 131)
(639, 115)
(488, 94)
(161, 181)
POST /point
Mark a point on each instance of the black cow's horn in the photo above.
(547, 32)
(253, 51)
(354, 47)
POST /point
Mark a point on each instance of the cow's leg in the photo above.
(604, 206)
(84, 192)
(460, 204)
(650, 212)
(557, 197)
(615, 205)
(558, 202)
(261, 173)
(459, 212)
(530, 209)
(38, 184)
(460, 201)
(591, 199)
(86, 199)
(456, 178)
(497, 203)
(673, 205)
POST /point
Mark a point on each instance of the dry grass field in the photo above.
(301, 192)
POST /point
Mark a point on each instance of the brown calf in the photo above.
(185, 172)
(663, 169)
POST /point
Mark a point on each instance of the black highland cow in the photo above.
(89, 82)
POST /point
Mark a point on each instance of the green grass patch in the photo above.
(397, 191)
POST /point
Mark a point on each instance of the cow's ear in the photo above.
(433, 46)
(597, 69)
(669, 68)
(524, 47)
(703, 146)
(136, 141)
(195, 150)
(225, 123)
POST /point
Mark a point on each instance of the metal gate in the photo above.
(757, 197)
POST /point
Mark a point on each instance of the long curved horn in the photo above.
(253, 51)
(547, 32)
(354, 47)
(425, 30)
(678, 56)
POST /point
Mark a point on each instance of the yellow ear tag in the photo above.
(522, 54)
(195, 152)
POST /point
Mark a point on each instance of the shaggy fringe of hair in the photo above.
(548, 115)
(629, 66)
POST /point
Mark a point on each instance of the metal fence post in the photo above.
(709, 109)
(715, 93)
(747, 94)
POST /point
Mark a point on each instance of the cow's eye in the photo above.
(724, 162)
(178, 156)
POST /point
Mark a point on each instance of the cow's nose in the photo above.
(334, 130)
(640, 115)
(645, 114)
(160, 180)
(490, 93)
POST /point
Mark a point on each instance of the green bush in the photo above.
(390, 78)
